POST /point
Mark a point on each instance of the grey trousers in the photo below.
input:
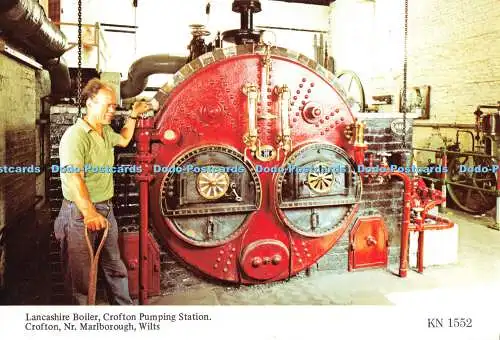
(69, 230)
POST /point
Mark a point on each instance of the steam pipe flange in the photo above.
(246, 34)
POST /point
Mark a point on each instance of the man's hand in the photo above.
(95, 221)
(139, 108)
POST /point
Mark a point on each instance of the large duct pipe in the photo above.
(142, 68)
(60, 79)
(24, 22)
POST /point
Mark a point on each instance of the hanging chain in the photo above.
(405, 72)
(79, 70)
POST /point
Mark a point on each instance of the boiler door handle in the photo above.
(233, 191)
(371, 240)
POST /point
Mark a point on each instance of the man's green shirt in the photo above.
(82, 147)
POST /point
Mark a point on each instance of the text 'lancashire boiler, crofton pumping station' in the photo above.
(247, 152)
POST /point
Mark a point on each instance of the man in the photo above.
(87, 195)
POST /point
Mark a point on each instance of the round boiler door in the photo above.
(265, 259)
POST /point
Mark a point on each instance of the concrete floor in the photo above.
(474, 279)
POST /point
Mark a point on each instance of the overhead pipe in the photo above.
(24, 22)
(142, 68)
(60, 79)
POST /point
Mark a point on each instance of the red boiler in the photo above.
(250, 164)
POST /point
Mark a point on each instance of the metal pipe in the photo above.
(144, 159)
(405, 233)
(143, 243)
(420, 252)
(405, 227)
(444, 125)
(441, 224)
(489, 107)
(25, 22)
(142, 68)
(475, 154)
(60, 79)
(497, 203)
(444, 164)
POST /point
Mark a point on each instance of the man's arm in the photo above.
(127, 132)
(92, 219)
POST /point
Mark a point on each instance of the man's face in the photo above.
(103, 106)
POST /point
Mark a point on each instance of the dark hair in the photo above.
(92, 88)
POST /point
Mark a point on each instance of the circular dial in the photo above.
(321, 179)
(320, 190)
(210, 195)
(212, 185)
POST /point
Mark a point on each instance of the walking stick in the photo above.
(94, 263)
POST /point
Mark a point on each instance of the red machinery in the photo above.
(249, 167)
(282, 131)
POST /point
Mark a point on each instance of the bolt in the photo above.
(276, 259)
(216, 266)
(257, 261)
(218, 259)
(225, 270)
(169, 135)
(221, 252)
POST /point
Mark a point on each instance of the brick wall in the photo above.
(453, 46)
(384, 199)
(18, 112)
(21, 88)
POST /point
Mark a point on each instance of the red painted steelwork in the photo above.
(144, 160)
(411, 201)
(438, 223)
(129, 246)
(210, 108)
(368, 243)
